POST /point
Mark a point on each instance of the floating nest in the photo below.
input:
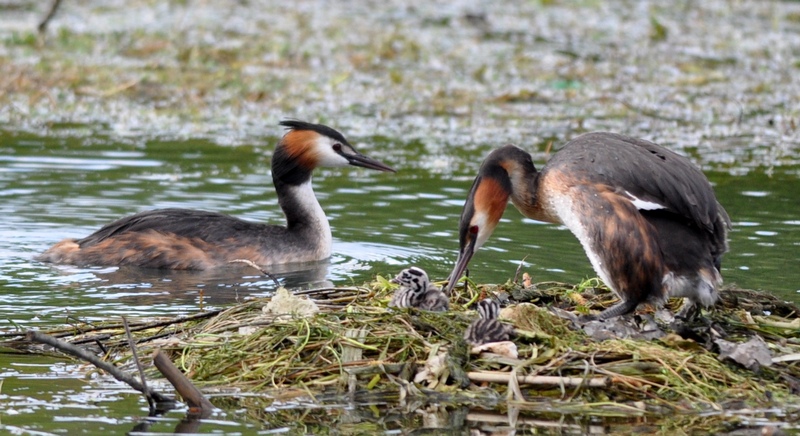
(350, 345)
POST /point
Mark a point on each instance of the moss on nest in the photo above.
(356, 346)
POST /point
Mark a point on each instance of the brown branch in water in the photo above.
(80, 353)
(50, 14)
(136, 326)
(132, 345)
(188, 391)
(332, 290)
(250, 263)
(503, 377)
(117, 343)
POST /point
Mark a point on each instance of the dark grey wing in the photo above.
(207, 226)
(652, 176)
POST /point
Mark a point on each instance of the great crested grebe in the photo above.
(197, 240)
(646, 217)
(417, 291)
(487, 328)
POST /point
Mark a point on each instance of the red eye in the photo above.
(337, 147)
(473, 230)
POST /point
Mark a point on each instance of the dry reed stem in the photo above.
(312, 353)
(505, 377)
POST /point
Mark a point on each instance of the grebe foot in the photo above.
(565, 314)
(622, 308)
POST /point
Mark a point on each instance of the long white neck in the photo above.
(304, 214)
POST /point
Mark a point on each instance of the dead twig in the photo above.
(50, 14)
(519, 268)
(132, 345)
(262, 270)
(547, 380)
(136, 326)
(188, 391)
(80, 353)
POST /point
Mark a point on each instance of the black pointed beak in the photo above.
(359, 160)
(464, 256)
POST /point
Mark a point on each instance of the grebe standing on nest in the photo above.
(197, 240)
(646, 217)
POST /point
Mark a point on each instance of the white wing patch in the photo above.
(643, 204)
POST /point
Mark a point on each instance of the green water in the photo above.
(55, 187)
(68, 187)
(128, 106)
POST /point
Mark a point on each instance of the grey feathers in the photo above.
(487, 328)
(417, 291)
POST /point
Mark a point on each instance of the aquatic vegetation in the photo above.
(357, 347)
(710, 75)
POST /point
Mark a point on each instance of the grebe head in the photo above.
(485, 204)
(414, 279)
(307, 146)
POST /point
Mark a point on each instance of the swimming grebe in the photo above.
(646, 217)
(197, 240)
(417, 291)
(487, 328)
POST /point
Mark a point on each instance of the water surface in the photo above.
(55, 188)
(124, 106)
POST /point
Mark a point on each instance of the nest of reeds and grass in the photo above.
(346, 341)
